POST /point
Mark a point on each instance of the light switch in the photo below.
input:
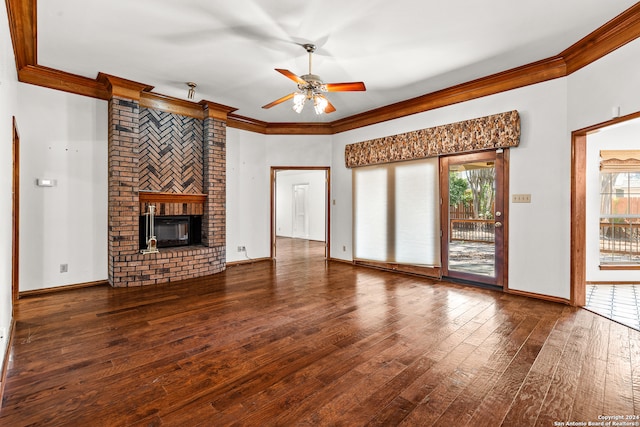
(521, 198)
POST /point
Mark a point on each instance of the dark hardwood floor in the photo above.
(304, 342)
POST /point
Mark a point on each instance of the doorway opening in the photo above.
(474, 217)
(300, 225)
(605, 226)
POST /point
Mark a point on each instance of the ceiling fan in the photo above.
(311, 87)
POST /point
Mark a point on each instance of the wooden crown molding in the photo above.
(60, 80)
(278, 128)
(215, 110)
(124, 88)
(619, 31)
(171, 105)
(23, 26)
(533, 73)
(246, 123)
(199, 110)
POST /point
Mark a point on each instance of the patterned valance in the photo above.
(484, 133)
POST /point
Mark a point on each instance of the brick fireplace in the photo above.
(169, 153)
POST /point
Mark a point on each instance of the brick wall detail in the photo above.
(169, 153)
(123, 208)
(214, 220)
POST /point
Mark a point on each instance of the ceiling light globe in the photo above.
(320, 104)
(298, 102)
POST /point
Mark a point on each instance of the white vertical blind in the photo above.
(370, 212)
(396, 213)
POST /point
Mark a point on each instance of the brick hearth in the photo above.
(168, 153)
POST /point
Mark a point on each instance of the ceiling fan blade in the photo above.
(329, 108)
(279, 101)
(292, 76)
(345, 87)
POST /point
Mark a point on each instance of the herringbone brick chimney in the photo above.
(166, 152)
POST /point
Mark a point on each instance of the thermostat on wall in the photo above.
(46, 182)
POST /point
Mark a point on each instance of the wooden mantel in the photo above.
(156, 197)
(172, 203)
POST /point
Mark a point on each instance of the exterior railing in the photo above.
(620, 241)
(472, 230)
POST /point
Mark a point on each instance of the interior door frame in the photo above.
(327, 203)
(578, 274)
(501, 158)
(15, 217)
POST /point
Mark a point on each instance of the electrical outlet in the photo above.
(242, 249)
(521, 198)
(344, 249)
(64, 268)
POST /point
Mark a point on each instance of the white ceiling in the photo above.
(400, 49)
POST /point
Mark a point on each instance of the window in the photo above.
(619, 207)
(396, 213)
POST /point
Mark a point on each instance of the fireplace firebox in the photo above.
(172, 231)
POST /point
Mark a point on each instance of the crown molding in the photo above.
(299, 129)
(117, 86)
(246, 123)
(215, 110)
(23, 16)
(619, 31)
(529, 74)
(60, 80)
(278, 128)
(172, 105)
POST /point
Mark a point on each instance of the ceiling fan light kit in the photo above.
(311, 87)
(192, 89)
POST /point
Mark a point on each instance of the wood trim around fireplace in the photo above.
(153, 197)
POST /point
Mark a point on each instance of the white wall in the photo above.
(63, 137)
(247, 195)
(538, 232)
(8, 103)
(316, 198)
(624, 136)
(250, 157)
(612, 81)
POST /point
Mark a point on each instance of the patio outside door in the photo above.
(474, 222)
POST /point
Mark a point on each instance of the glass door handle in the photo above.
(498, 224)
